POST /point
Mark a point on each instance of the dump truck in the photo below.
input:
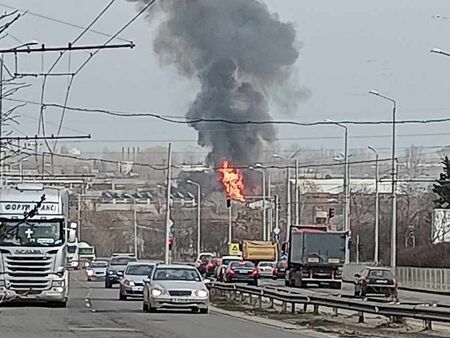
(34, 231)
(315, 256)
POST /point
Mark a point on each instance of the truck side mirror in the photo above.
(72, 236)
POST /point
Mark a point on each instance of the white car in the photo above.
(266, 269)
(176, 287)
(202, 256)
(132, 282)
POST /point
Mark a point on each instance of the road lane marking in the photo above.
(106, 329)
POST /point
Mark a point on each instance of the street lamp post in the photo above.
(135, 229)
(377, 202)
(199, 191)
(393, 174)
(258, 169)
(346, 186)
(169, 182)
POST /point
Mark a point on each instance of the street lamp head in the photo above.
(251, 167)
(189, 181)
(276, 156)
(374, 92)
(436, 50)
(258, 165)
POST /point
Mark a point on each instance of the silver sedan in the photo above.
(176, 287)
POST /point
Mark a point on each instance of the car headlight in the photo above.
(129, 283)
(156, 292)
(89, 272)
(112, 272)
(74, 264)
(202, 293)
(59, 283)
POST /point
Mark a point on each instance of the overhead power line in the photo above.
(193, 121)
(59, 21)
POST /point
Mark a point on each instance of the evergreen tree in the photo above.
(442, 188)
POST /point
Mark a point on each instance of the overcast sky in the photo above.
(348, 48)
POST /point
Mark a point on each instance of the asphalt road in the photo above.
(348, 289)
(109, 317)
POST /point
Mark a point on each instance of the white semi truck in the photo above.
(34, 231)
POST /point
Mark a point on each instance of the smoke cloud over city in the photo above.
(240, 53)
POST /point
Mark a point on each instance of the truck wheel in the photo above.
(59, 304)
(122, 296)
(108, 284)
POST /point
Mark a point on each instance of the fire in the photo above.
(232, 181)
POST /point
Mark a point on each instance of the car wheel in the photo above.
(356, 292)
(144, 307)
(194, 310)
(108, 284)
(122, 296)
(88, 279)
(151, 309)
(204, 310)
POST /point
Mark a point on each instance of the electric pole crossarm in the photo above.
(69, 47)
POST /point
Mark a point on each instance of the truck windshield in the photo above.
(85, 251)
(31, 233)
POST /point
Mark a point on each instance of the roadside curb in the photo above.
(268, 322)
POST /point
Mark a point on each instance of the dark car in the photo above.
(376, 281)
(115, 269)
(241, 271)
(207, 266)
(280, 270)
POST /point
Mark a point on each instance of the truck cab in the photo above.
(86, 254)
(33, 243)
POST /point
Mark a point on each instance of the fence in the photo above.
(423, 279)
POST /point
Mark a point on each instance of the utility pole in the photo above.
(393, 174)
(135, 229)
(377, 208)
(169, 182)
(269, 225)
(297, 219)
(288, 203)
(199, 195)
(1, 120)
(230, 234)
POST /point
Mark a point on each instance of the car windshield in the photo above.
(139, 270)
(179, 274)
(86, 251)
(242, 265)
(71, 249)
(381, 274)
(227, 261)
(31, 233)
(122, 260)
(99, 264)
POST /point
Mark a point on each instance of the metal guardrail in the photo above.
(425, 312)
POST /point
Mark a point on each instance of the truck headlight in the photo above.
(201, 293)
(59, 283)
(156, 292)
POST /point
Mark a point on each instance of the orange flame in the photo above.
(232, 181)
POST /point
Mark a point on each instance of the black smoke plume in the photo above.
(240, 52)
